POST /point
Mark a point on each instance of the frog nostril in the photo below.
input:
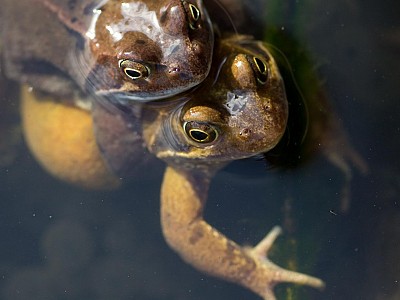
(174, 70)
(177, 73)
(268, 105)
(245, 133)
(197, 48)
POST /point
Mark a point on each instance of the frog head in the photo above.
(240, 111)
(147, 50)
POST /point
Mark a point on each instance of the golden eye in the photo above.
(134, 70)
(200, 132)
(260, 69)
(194, 15)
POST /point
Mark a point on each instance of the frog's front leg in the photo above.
(183, 197)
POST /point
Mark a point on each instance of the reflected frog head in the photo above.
(147, 50)
(240, 111)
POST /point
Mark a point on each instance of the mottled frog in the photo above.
(139, 50)
(240, 111)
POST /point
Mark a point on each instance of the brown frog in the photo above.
(139, 50)
(244, 114)
(239, 111)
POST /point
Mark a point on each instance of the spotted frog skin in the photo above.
(138, 50)
(196, 136)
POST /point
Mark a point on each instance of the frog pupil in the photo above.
(198, 135)
(193, 15)
(134, 70)
(262, 70)
(200, 132)
(195, 12)
(260, 65)
(135, 74)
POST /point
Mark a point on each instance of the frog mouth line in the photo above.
(126, 97)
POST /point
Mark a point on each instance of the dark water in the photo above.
(60, 242)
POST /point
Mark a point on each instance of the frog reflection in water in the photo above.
(239, 111)
(141, 50)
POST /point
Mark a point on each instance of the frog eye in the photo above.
(200, 132)
(260, 68)
(194, 15)
(133, 69)
(195, 12)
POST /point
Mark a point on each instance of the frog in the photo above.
(249, 87)
(138, 50)
(239, 111)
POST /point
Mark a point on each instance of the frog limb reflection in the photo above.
(183, 198)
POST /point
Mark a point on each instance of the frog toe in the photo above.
(275, 273)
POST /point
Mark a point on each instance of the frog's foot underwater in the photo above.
(340, 153)
(182, 202)
(278, 274)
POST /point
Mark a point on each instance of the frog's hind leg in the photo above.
(341, 153)
(342, 163)
(61, 138)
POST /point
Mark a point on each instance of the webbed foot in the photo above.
(276, 273)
